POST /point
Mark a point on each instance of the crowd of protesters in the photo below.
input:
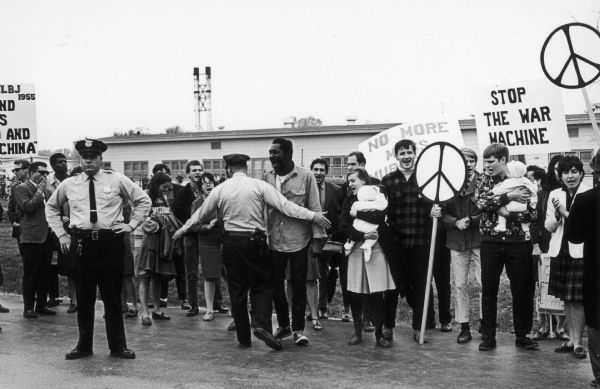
(374, 236)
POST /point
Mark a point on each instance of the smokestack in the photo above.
(198, 108)
(208, 99)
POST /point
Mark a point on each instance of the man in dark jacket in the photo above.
(36, 240)
(461, 218)
(583, 226)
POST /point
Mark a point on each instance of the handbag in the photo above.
(333, 247)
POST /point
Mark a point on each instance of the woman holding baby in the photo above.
(369, 245)
(566, 264)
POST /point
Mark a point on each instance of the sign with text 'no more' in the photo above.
(18, 134)
(379, 149)
(528, 117)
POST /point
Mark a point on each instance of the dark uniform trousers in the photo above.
(248, 267)
(416, 263)
(36, 266)
(100, 264)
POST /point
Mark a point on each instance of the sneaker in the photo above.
(300, 339)
(282, 333)
(185, 306)
(526, 343)
(488, 344)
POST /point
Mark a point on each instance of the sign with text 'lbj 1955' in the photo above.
(528, 117)
(18, 135)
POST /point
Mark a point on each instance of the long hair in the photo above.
(157, 180)
(551, 181)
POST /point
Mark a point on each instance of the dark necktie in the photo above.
(93, 212)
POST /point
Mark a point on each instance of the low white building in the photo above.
(135, 155)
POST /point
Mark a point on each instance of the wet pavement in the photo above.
(190, 353)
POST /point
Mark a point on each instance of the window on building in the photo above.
(215, 145)
(584, 155)
(136, 169)
(177, 167)
(337, 166)
(573, 132)
(106, 165)
(214, 166)
(258, 166)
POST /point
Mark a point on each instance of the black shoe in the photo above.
(526, 343)
(309, 317)
(192, 312)
(564, 348)
(123, 353)
(282, 333)
(579, 352)
(220, 309)
(368, 326)
(45, 311)
(30, 314)
(268, 338)
(53, 302)
(488, 344)
(387, 333)
(464, 337)
(383, 342)
(446, 328)
(231, 326)
(244, 345)
(539, 335)
(76, 353)
(163, 303)
(355, 339)
(323, 314)
(3, 309)
(300, 339)
(160, 316)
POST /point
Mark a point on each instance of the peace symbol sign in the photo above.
(577, 70)
(441, 172)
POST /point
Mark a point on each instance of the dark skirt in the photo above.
(211, 259)
(67, 264)
(566, 278)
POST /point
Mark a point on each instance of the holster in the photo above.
(260, 241)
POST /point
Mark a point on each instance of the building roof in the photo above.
(465, 124)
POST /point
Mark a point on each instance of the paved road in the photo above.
(189, 353)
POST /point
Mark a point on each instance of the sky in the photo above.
(105, 66)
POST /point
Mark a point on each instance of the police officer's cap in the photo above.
(236, 159)
(90, 147)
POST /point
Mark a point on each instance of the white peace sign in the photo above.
(441, 172)
(572, 69)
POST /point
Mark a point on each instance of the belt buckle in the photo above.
(95, 235)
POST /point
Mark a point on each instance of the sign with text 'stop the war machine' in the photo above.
(527, 116)
(18, 133)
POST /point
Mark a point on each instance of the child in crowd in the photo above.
(369, 198)
(517, 179)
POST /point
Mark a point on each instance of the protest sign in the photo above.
(18, 135)
(528, 117)
(379, 149)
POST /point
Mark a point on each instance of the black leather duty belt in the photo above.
(239, 234)
(99, 235)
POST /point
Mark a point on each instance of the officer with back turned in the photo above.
(241, 202)
(96, 200)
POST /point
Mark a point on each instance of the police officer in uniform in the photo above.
(240, 203)
(96, 200)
